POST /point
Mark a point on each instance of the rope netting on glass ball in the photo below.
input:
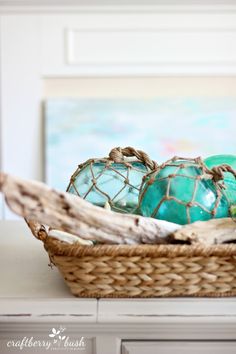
(112, 182)
(185, 189)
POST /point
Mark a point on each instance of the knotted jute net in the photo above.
(113, 182)
(178, 165)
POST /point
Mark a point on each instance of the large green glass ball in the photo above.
(117, 184)
(229, 179)
(181, 192)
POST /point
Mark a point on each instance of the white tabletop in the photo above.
(29, 287)
(24, 265)
(31, 290)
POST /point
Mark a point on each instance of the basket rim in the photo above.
(59, 248)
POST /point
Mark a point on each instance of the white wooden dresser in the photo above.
(34, 300)
(40, 43)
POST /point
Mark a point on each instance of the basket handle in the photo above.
(118, 154)
(38, 230)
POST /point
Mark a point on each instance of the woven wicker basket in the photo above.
(143, 270)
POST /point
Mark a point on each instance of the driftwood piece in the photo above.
(68, 238)
(210, 232)
(36, 201)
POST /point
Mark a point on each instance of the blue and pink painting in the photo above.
(78, 129)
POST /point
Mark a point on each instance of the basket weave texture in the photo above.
(145, 270)
(140, 271)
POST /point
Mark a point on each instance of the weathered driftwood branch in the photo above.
(210, 232)
(36, 201)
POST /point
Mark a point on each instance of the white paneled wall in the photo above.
(148, 43)
(21, 143)
(1, 198)
(42, 46)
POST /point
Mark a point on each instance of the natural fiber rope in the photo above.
(216, 174)
(118, 154)
(76, 250)
(97, 295)
(147, 270)
(142, 271)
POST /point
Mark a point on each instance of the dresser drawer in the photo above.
(178, 347)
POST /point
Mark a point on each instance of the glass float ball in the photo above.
(180, 192)
(229, 179)
(118, 184)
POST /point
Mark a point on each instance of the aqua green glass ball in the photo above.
(181, 195)
(116, 184)
(229, 179)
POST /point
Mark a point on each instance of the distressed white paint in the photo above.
(44, 310)
(156, 311)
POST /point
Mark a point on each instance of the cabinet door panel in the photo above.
(176, 347)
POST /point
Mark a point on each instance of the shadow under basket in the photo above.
(141, 271)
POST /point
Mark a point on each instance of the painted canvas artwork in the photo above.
(78, 129)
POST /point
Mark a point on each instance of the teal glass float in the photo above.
(112, 182)
(183, 191)
(229, 178)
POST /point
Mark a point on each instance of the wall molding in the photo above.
(147, 44)
(37, 7)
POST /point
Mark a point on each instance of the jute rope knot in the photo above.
(218, 172)
(118, 155)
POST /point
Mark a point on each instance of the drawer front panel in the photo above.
(176, 347)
